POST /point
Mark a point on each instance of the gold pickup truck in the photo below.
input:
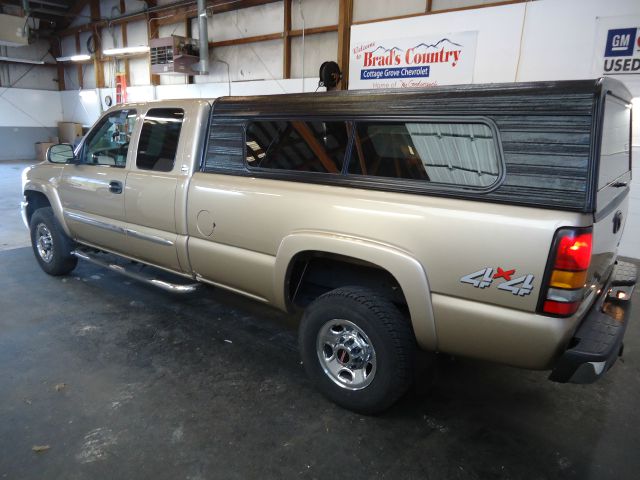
(477, 220)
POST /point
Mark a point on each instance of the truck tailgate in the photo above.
(614, 178)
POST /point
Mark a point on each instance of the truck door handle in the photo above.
(115, 186)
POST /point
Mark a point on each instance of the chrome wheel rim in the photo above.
(44, 243)
(346, 354)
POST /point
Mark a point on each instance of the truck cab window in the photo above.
(108, 144)
(159, 137)
(462, 154)
(304, 146)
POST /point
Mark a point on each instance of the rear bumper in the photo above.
(597, 343)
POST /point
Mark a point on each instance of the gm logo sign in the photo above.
(620, 42)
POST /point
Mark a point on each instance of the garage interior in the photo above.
(103, 377)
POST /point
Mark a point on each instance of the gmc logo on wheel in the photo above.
(620, 42)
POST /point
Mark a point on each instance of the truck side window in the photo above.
(305, 146)
(109, 142)
(159, 139)
(462, 154)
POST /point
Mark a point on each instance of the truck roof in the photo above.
(373, 101)
(410, 101)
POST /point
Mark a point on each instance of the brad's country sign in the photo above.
(413, 62)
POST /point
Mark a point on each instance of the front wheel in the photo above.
(51, 246)
(357, 348)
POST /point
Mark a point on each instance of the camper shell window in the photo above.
(449, 153)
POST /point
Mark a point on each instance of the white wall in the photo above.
(251, 61)
(24, 121)
(81, 106)
(311, 51)
(29, 108)
(310, 14)
(372, 9)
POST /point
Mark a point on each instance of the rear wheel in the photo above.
(51, 246)
(357, 349)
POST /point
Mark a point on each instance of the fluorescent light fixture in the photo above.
(126, 50)
(74, 58)
(21, 60)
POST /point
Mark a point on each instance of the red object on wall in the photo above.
(121, 88)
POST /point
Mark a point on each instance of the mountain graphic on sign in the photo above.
(386, 50)
(437, 44)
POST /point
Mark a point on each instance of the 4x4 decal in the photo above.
(484, 279)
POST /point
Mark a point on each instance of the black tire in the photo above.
(54, 256)
(385, 331)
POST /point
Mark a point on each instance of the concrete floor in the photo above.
(121, 380)
(12, 231)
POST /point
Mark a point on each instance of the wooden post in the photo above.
(187, 33)
(152, 32)
(429, 6)
(345, 17)
(79, 67)
(125, 42)
(286, 32)
(56, 51)
(98, 64)
(98, 67)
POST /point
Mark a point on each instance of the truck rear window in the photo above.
(615, 158)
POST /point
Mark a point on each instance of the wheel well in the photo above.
(312, 274)
(35, 200)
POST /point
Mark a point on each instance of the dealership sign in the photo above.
(424, 61)
(617, 46)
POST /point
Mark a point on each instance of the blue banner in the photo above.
(400, 72)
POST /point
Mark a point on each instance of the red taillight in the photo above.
(560, 308)
(573, 252)
(571, 259)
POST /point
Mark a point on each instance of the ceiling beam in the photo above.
(32, 4)
(50, 3)
(77, 7)
(176, 12)
(244, 40)
(74, 11)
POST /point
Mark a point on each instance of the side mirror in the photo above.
(61, 153)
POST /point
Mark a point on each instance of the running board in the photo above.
(164, 285)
